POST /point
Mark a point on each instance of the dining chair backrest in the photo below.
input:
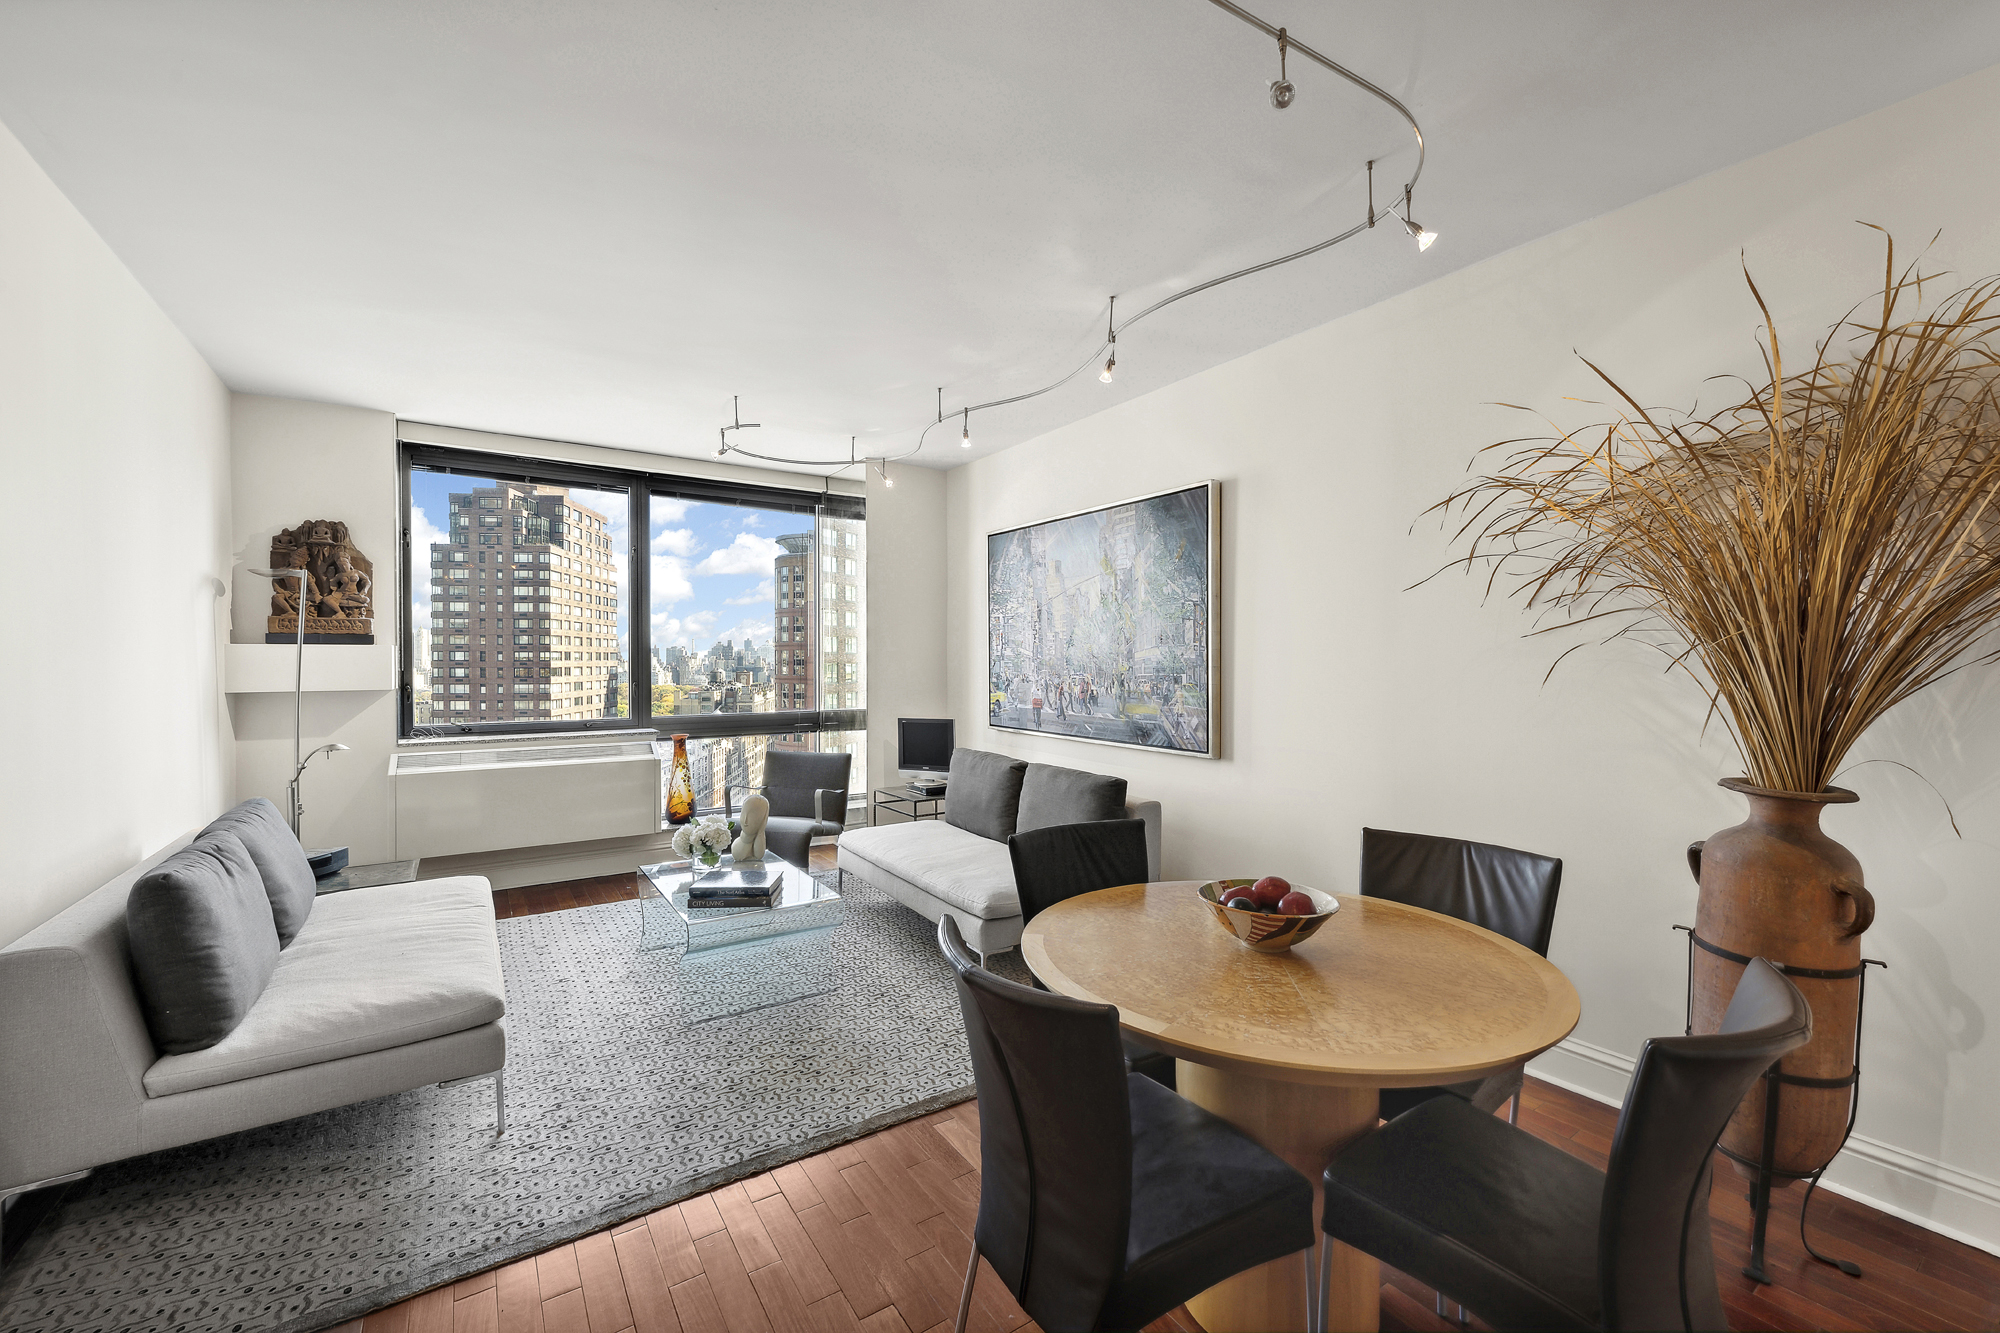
(1508, 892)
(1655, 1260)
(1055, 1140)
(1063, 860)
(793, 779)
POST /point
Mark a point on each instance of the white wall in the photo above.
(1350, 699)
(114, 435)
(906, 608)
(294, 461)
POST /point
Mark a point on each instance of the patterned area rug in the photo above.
(616, 1105)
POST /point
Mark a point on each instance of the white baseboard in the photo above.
(523, 866)
(1921, 1190)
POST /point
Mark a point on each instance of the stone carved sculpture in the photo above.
(749, 844)
(339, 591)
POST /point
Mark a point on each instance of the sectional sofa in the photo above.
(959, 866)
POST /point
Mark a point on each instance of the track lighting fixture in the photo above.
(736, 402)
(1282, 92)
(1111, 337)
(1422, 237)
(1282, 95)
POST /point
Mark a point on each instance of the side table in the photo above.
(902, 801)
(367, 877)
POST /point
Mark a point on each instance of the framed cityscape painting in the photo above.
(1101, 625)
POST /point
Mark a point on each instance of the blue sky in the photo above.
(711, 563)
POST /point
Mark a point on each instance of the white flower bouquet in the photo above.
(704, 840)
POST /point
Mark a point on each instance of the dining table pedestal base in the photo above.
(1307, 1125)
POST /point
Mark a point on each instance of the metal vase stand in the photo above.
(1774, 1077)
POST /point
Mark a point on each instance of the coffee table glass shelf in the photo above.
(736, 959)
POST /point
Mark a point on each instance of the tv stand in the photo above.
(902, 801)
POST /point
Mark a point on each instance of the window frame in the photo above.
(640, 486)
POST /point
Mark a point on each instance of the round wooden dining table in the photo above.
(1292, 1047)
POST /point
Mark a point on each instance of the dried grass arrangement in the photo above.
(1812, 555)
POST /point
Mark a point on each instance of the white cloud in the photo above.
(666, 510)
(752, 520)
(670, 581)
(746, 630)
(748, 554)
(422, 533)
(668, 631)
(674, 541)
(699, 624)
(760, 593)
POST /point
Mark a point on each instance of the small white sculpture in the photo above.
(749, 845)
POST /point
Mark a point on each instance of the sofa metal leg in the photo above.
(1325, 1280)
(499, 1077)
(965, 1296)
(7, 1194)
(1514, 1110)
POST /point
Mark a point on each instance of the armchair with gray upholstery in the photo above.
(808, 796)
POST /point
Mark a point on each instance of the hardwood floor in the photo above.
(874, 1235)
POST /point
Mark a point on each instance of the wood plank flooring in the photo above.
(874, 1236)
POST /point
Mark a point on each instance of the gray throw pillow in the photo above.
(984, 793)
(281, 863)
(1051, 795)
(203, 945)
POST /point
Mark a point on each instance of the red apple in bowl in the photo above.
(1268, 891)
(1295, 903)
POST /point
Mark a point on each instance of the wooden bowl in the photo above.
(1267, 932)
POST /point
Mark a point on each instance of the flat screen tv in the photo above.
(924, 744)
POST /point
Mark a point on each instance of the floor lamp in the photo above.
(298, 697)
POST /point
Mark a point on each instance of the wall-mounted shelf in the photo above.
(268, 668)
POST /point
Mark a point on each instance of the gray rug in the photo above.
(616, 1105)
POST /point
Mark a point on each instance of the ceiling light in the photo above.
(1111, 338)
(965, 435)
(1416, 229)
(1282, 92)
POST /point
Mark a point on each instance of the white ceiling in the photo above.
(597, 221)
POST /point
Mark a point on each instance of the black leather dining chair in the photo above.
(1529, 1237)
(1508, 892)
(1104, 1199)
(808, 796)
(1064, 860)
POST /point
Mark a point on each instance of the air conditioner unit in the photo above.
(457, 800)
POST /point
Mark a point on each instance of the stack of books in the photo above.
(732, 886)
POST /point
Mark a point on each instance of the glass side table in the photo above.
(736, 959)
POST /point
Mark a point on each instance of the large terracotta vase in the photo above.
(1775, 887)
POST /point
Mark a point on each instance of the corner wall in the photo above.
(116, 439)
(906, 609)
(297, 460)
(1350, 697)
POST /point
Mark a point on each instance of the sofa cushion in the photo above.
(373, 969)
(1051, 795)
(971, 873)
(985, 793)
(202, 942)
(280, 861)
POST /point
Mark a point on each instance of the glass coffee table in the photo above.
(736, 959)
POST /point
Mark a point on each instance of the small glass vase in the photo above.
(680, 784)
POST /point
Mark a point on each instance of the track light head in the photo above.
(1283, 94)
(1419, 235)
(1110, 364)
(965, 430)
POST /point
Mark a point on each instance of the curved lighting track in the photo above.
(1286, 43)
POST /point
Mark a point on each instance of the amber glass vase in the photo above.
(680, 785)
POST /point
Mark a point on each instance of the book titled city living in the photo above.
(731, 886)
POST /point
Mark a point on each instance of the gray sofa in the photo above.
(377, 991)
(959, 865)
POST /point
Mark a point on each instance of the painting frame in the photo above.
(1167, 730)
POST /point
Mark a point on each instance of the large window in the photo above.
(524, 583)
